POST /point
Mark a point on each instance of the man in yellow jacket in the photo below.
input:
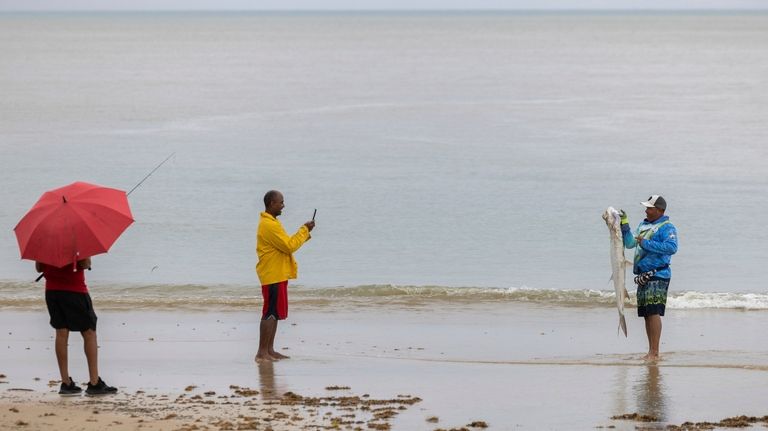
(275, 267)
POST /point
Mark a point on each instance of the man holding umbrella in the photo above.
(60, 233)
(71, 309)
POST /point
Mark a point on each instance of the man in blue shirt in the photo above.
(654, 241)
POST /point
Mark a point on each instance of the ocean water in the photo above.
(448, 155)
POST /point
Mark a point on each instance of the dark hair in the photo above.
(269, 197)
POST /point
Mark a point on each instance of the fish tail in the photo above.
(623, 324)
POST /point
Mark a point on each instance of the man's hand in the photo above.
(624, 217)
(639, 240)
(310, 225)
(84, 263)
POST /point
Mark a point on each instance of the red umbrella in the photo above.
(72, 223)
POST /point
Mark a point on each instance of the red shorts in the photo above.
(275, 301)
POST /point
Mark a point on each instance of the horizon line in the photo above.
(400, 10)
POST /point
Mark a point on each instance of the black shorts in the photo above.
(70, 310)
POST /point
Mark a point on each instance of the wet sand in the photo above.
(507, 366)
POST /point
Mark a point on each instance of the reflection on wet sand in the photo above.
(620, 385)
(269, 388)
(649, 392)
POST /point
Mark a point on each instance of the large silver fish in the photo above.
(619, 263)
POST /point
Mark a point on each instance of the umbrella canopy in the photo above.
(72, 223)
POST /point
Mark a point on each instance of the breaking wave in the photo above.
(14, 294)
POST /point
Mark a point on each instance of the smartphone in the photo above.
(314, 214)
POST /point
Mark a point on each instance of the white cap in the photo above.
(655, 201)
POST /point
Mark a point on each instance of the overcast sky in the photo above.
(76, 5)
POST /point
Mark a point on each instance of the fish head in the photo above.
(611, 216)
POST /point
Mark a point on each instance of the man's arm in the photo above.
(626, 234)
(276, 237)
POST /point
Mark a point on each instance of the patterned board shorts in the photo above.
(652, 297)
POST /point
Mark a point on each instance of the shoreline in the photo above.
(24, 295)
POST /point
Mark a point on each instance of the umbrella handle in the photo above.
(38, 278)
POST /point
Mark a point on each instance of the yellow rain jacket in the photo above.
(275, 248)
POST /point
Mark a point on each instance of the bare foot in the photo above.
(651, 357)
(263, 357)
(278, 356)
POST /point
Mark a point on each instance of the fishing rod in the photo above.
(134, 188)
(150, 174)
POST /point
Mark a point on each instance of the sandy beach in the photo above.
(506, 367)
